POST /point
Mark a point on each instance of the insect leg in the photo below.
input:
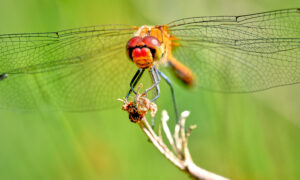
(172, 91)
(135, 80)
(155, 78)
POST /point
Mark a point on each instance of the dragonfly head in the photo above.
(143, 51)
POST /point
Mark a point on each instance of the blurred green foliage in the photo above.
(240, 136)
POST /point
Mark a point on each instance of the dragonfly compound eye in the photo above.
(134, 42)
(151, 42)
(154, 45)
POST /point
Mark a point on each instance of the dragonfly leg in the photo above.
(135, 80)
(153, 122)
(156, 79)
(3, 76)
(172, 91)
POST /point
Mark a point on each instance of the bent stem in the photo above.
(179, 155)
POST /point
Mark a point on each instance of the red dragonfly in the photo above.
(87, 68)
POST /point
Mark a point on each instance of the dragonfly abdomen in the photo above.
(182, 72)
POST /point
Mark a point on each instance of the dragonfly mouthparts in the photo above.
(3, 76)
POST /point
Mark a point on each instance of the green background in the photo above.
(240, 136)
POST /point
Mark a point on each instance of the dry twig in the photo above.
(180, 155)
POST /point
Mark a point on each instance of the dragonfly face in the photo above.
(144, 51)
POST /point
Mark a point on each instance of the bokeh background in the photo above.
(240, 136)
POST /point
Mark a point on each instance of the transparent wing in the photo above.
(75, 70)
(241, 53)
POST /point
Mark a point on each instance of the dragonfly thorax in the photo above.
(143, 51)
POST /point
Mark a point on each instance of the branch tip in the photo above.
(185, 114)
(165, 116)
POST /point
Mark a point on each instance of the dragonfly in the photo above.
(88, 68)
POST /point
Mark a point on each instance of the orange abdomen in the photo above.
(182, 72)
